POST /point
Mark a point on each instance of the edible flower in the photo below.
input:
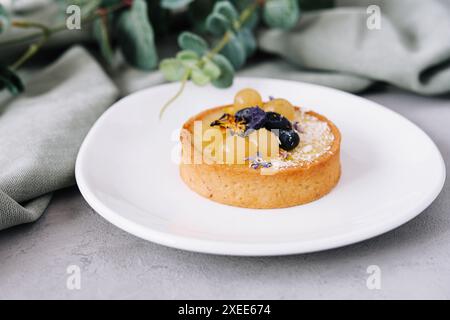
(257, 162)
(297, 127)
(228, 121)
(253, 117)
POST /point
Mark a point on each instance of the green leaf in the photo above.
(235, 52)
(172, 69)
(11, 81)
(227, 9)
(5, 20)
(218, 24)
(136, 38)
(281, 14)
(191, 41)
(101, 35)
(175, 4)
(248, 40)
(188, 58)
(211, 69)
(226, 77)
(199, 77)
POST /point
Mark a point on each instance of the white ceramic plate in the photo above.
(125, 170)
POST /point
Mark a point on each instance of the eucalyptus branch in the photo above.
(53, 30)
(26, 24)
(244, 16)
(179, 92)
(46, 32)
(33, 48)
(220, 45)
(248, 11)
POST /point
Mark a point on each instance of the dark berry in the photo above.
(277, 121)
(254, 117)
(289, 139)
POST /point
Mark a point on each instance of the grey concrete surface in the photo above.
(414, 259)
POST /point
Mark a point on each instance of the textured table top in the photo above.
(414, 259)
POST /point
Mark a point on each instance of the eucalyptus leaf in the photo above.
(248, 40)
(188, 58)
(281, 14)
(191, 41)
(101, 35)
(172, 69)
(227, 9)
(218, 24)
(136, 38)
(226, 77)
(5, 19)
(11, 81)
(199, 77)
(235, 52)
(211, 69)
(174, 4)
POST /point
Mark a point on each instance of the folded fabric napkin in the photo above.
(42, 130)
(411, 48)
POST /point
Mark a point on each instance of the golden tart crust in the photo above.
(242, 186)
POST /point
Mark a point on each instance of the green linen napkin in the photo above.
(335, 47)
(42, 130)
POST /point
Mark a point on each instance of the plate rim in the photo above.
(251, 249)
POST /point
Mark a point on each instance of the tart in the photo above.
(256, 154)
